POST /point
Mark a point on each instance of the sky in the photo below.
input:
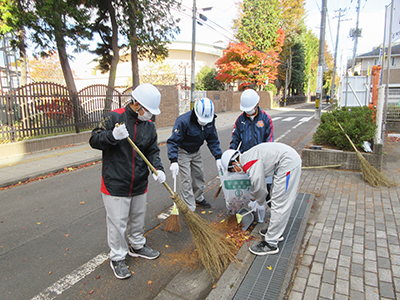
(217, 30)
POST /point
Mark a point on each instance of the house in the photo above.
(177, 65)
(369, 59)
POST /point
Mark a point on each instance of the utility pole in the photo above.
(192, 84)
(321, 62)
(334, 62)
(357, 34)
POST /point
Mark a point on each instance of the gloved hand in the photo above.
(120, 132)
(160, 176)
(174, 168)
(219, 166)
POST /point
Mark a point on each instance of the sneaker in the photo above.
(120, 269)
(263, 232)
(145, 252)
(263, 248)
(204, 204)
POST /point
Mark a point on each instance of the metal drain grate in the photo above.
(267, 273)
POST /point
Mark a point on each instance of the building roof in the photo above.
(375, 53)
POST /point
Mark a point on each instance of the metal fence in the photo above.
(290, 100)
(46, 108)
(393, 113)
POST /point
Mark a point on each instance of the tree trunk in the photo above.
(114, 60)
(135, 61)
(22, 56)
(69, 78)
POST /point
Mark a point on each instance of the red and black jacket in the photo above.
(124, 172)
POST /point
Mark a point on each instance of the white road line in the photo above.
(289, 130)
(288, 119)
(68, 281)
(276, 119)
(306, 119)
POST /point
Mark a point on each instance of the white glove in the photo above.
(120, 132)
(219, 166)
(160, 177)
(174, 168)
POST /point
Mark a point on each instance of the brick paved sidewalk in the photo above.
(351, 248)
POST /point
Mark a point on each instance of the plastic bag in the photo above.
(259, 210)
(236, 188)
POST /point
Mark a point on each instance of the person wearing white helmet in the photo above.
(252, 127)
(284, 164)
(188, 134)
(125, 174)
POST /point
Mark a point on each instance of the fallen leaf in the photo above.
(82, 202)
(150, 282)
(67, 235)
(214, 286)
(38, 223)
(222, 221)
(98, 277)
(269, 268)
(91, 292)
(166, 246)
(49, 272)
(203, 212)
(67, 249)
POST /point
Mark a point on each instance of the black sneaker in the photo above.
(120, 269)
(263, 248)
(145, 252)
(204, 204)
(263, 232)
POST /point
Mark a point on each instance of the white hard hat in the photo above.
(204, 110)
(148, 96)
(227, 157)
(249, 100)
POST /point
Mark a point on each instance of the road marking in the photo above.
(69, 280)
(288, 119)
(276, 119)
(306, 119)
(303, 120)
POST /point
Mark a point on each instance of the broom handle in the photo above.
(149, 164)
(348, 137)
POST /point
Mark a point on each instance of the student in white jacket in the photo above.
(284, 164)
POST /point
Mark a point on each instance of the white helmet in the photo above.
(227, 157)
(148, 96)
(204, 110)
(248, 100)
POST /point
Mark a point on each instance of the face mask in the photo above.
(251, 112)
(202, 123)
(146, 116)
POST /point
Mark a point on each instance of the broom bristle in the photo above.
(173, 221)
(173, 224)
(215, 251)
(371, 175)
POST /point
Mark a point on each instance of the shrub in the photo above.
(357, 123)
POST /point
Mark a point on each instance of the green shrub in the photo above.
(357, 122)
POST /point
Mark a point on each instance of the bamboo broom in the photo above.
(370, 175)
(173, 219)
(215, 251)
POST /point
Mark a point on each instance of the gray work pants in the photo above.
(191, 177)
(283, 195)
(125, 216)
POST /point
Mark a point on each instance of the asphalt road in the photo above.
(53, 231)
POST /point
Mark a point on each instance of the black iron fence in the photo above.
(46, 108)
(290, 100)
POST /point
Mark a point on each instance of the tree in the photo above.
(258, 25)
(206, 80)
(298, 65)
(14, 16)
(311, 46)
(252, 67)
(47, 69)
(293, 14)
(148, 26)
(61, 24)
